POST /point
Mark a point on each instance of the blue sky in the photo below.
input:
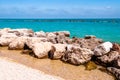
(59, 8)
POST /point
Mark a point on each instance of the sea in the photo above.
(106, 29)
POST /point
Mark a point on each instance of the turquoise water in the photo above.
(107, 29)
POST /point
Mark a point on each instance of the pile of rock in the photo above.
(59, 45)
(108, 54)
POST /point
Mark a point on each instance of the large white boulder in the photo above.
(103, 48)
(7, 38)
(41, 49)
(57, 51)
(32, 40)
(18, 43)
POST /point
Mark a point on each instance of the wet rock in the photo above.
(108, 58)
(115, 72)
(26, 51)
(90, 65)
(18, 43)
(57, 51)
(7, 38)
(41, 49)
(77, 56)
(29, 52)
(102, 49)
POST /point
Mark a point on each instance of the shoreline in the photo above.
(53, 52)
(9, 66)
(55, 67)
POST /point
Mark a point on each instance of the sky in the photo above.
(59, 8)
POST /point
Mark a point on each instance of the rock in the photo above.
(90, 65)
(26, 51)
(23, 32)
(63, 40)
(17, 33)
(108, 58)
(77, 56)
(18, 43)
(41, 49)
(31, 40)
(4, 31)
(59, 37)
(90, 43)
(40, 34)
(89, 36)
(57, 51)
(116, 62)
(65, 33)
(115, 72)
(29, 52)
(7, 38)
(116, 47)
(51, 37)
(103, 48)
(71, 47)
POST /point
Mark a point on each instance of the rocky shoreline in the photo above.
(58, 45)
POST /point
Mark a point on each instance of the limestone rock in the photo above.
(116, 47)
(103, 48)
(41, 49)
(89, 36)
(51, 37)
(7, 38)
(89, 43)
(4, 31)
(65, 33)
(63, 40)
(22, 32)
(77, 56)
(108, 58)
(115, 72)
(40, 34)
(59, 37)
(18, 43)
(57, 51)
(31, 40)
(116, 62)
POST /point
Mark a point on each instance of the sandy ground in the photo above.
(13, 71)
(51, 67)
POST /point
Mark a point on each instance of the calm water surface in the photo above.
(107, 29)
